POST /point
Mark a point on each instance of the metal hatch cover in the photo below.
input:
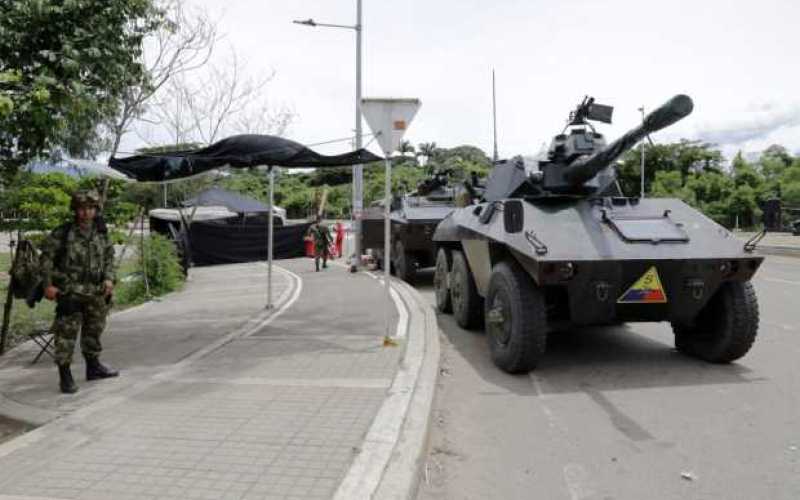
(648, 229)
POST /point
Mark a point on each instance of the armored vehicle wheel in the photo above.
(467, 304)
(443, 302)
(726, 327)
(405, 264)
(516, 319)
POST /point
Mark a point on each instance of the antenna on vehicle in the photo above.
(494, 118)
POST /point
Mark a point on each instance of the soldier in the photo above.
(322, 241)
(77, 265)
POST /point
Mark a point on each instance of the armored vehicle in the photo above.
(414, 217)
(553, 244)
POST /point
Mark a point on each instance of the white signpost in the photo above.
(389, 119)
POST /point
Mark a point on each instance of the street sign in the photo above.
(389, 119)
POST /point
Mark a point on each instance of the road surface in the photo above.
(617, 413)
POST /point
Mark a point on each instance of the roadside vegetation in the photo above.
(727, 192)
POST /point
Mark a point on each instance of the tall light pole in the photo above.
(358, 176)
(641, 195)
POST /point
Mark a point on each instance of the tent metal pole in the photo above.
(387, 257)
(269, 238)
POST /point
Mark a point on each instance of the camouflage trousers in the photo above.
(85, 314)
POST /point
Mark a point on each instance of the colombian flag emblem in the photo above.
(646, 290)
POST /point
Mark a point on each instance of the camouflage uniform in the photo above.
(77, 262)
(322, 242)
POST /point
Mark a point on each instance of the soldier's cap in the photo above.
(85, 197)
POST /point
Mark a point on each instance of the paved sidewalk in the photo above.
(280, 408)
(141, 341)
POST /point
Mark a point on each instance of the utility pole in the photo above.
(358, 170)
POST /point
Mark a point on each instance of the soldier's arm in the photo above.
(109, 273)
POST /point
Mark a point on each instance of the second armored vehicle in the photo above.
(414, 217)
(553, 243)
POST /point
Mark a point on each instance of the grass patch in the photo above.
(25, 320)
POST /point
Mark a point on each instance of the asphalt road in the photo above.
(617, 413)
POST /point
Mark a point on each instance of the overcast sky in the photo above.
(738, 60)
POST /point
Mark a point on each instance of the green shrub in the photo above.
(117, 237)
(162, 267)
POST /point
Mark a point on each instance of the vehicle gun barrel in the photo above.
(670, 112)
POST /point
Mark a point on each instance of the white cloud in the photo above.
(756, 124)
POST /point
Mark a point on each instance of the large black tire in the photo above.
(440, 282)
(725, 328)
(516, 319)
(467, 304)
(405, 264)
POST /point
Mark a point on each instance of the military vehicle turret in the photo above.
(414, 217)
(552, 243)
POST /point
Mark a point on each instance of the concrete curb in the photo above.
(391, 457)
(403, 473)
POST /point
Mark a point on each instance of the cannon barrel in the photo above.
(670, 112)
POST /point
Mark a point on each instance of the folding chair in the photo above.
(44, 339)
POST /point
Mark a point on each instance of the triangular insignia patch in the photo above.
(646, 290)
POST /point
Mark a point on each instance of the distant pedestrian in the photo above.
(339, 239)
(78, 272)
(322, 241)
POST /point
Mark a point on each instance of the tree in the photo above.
(462, 160)
(790, 185)
(745, 174)
(774, 161)
(405, 147)
(426, 150)
(684, 156)
(183, 43)
(42, 201)
(224, 99)
(64, 64)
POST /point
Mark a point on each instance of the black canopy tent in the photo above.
(225, 227)
(218, 197)
(239, 151)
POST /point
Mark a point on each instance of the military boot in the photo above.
(97, 370)
(66, 382)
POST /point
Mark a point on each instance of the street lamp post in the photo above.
(641, 195)
(358, 176)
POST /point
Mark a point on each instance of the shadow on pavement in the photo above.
(601, 358)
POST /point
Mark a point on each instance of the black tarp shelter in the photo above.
(220, 229)
(239, 151)
(218, 242)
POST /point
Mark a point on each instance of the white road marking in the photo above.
(350, 383)
(272, 317)
(552, 420)
(778, 280)
(576, 478)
